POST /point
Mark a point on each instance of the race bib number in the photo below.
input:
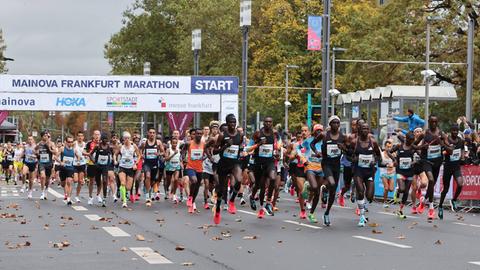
(151, 153)
(365, 161)
(102, 160)
(456, 154)
(405, 163)
(231, 152)
(197, 154)
(314, 158)
(333, 151)
(434, 151)
(68, 161)
(30, 158)
(126, 162)
(44, 158)
(265, 150)
(207, 166)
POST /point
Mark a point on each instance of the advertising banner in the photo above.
(314, 39)
(3, 116)
(109, 102)
(179, 121)
(471, 183)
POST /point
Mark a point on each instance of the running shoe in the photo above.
(69, 201)
(440, 212)
(269, 209)
(231, 208)
(275, 209)
(312, 218)
(308, 205)
(132, 198)
(305, 192)
(104, 203)
(42, 197)
(414, 210)
(225, 207)
(385, 205)
(190, 201)
(253, 204)
(77, 200)
(190, 209)
(45, 195)
(217, 216)
(137, 197)
(115, 198)
(148, 203)
(242, 201)
(194, 207)
(22, 190)
(124, 205)
(352, 197)
(157, 196)
(400, 215)
(90, 201)
(431, 214)
(99, 199)
(421, 206)
(303, 214)
(261, 213)
(357, 211)
(292, 191)
(453, 205)
(174, 199)
(341, 200)
(362, 221)
(29, 194)
(206, 206)
(326, 220)
(297, 200)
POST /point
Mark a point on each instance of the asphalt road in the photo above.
(52, 235)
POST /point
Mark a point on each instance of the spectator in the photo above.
(412, 119)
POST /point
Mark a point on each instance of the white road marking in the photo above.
(93, 217)
(465, 224)
(476, 263)
(393, 214)
(55, 193)
(116, 232)
(15, 195)
(149, 255)
(381, 241)
(247, 212)
(79, 208)
(302, 224)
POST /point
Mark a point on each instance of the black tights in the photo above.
(404, 188)
(432, 180)
(446, 186)
(195, 185)
(222, 185)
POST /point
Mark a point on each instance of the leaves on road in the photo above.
(252, 237)
(188, 264)
(179, 248)
(123, 249)
(126, 222)
(66, 218)
(438, 242)
(140, 237)
(93, 227)
(373, 224)
(376, 232)
(105, 219)
(7, 215)
(401, 237)
(216, 238)
(226, 234)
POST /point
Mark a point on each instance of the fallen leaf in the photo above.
(140, 237)
(401, 237)
(279, 241)
(62, 224)
(216, 238)
(414, 223)
(123, 249)
(188, 264)
(13, 205)
(23, 236)
(226, 234)
(373, 225)
(179, 248)
(46, 227)
(298, 229)
(160, 220)
(126, 222)
(7, 215)
(435, 226)
(250, 251)
(283, 227)
(253, 237)
(438, 242)
(23, 222)
(238, 220)
(93, 228)
(57, 245)
(65, 243)
(37, 204)
(376, 232)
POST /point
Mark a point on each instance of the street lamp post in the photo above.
(287, 103)
(196, 47)
(332, 92)
(325, 60)
(146, 72)
(245, 23)
(468, 105)
(427, 78)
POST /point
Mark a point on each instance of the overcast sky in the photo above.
(59, 36)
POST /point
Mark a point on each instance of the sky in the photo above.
(64, 37)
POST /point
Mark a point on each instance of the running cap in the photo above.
(333, 117)
(214, 124)
(317, 127)
(418, 129)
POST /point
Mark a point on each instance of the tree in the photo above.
(2, 49)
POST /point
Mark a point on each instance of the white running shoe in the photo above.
(42, 197)
(99, 199)
(309, 205)
(29, 194)
(90, 201)
(115, 199)
(194, 207)
(124, 205)
(77, 200)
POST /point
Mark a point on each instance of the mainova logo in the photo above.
(71, 102)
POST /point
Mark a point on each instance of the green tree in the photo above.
(2, 50)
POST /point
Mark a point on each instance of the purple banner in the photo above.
(314, 39)
(3, 116)
(179, 121)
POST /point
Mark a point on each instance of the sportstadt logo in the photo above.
(163, 103)
(122, 102)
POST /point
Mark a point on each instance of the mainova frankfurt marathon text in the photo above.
(94, 83)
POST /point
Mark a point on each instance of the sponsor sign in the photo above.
(314, 35)
(471, 183)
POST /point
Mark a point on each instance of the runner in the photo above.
(387, 172)
(405, 169)
(332, 146)
(432, 159)
(296, 168)
(346, 162)
(18, 164)
(228, 146)
(366, 154)
(420, 179)
(151, 150)
(92, 168)
(79, 164)
(454, 152)
(172, 168)
(30, 168)
(264, 155)
(45, 150)
(312, 157)
(127, 166)
(66, 169)
(103, 158)
(7, 165)
(194, 168)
